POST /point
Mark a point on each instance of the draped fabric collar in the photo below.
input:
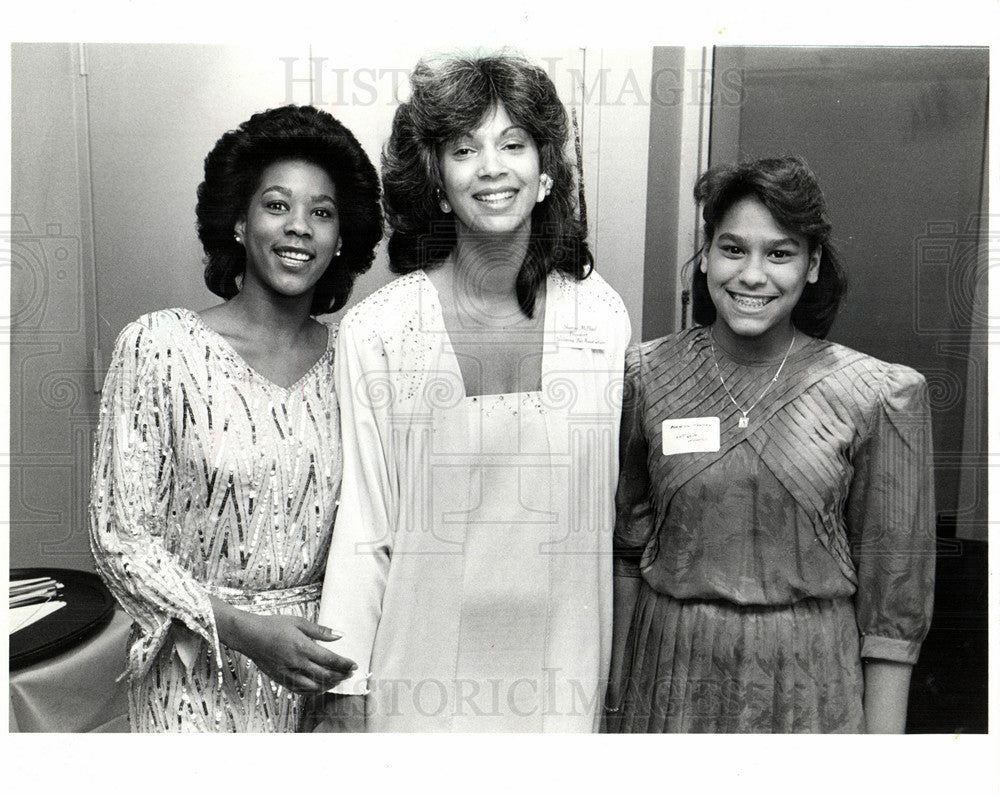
(679, 380)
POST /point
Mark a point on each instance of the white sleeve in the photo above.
(358, 565)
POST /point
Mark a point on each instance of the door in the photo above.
(897, 139)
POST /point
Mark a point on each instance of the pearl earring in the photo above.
(442, 201)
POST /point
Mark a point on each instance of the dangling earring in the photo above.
(443, 202)
(238, 239)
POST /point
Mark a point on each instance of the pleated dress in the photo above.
(774, 564)
(209, 480)
(471, 565)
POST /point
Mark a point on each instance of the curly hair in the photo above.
(450, 97)
(233, 170)
(787, 187)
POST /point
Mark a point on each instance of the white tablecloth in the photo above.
(76, 691)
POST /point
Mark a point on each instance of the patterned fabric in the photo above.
(471, 567)
(209, 479)
(826, 496)
(702, 665)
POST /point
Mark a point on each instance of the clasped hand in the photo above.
(285, 648)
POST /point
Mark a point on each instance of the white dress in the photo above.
(470, 569)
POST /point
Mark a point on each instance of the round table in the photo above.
(65, 669)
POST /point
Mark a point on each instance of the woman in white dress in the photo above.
(217, 460)
(470, 570)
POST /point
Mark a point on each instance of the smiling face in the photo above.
(490, 176)
(756, 271)
(291, 231)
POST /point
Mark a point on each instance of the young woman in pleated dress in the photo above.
(775, 532)
(218, 459)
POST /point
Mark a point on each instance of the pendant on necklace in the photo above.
(744, 421)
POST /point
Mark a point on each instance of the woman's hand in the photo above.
(283, 647)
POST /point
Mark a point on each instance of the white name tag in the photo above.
(690, 435)
(584, 336)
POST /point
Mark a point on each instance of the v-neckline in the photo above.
(239, 359)
(449, 348)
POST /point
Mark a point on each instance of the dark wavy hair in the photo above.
(450, 97)
(233, 170)
(787, 187)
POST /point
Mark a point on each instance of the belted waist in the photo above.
(266, 601)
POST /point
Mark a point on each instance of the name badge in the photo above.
(584, 335)
(690, 435)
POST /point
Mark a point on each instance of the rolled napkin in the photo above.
(33, 591)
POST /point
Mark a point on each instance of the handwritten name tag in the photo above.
(690, 435)
(584, 335)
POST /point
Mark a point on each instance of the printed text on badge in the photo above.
(690, 435)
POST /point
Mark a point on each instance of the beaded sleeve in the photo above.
(132, 489)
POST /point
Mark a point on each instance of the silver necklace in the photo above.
(745, 419)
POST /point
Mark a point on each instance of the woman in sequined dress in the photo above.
(470, 569)
(218, 458)
(775, 534)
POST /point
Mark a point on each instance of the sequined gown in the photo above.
(209, 479)
(773, 565)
